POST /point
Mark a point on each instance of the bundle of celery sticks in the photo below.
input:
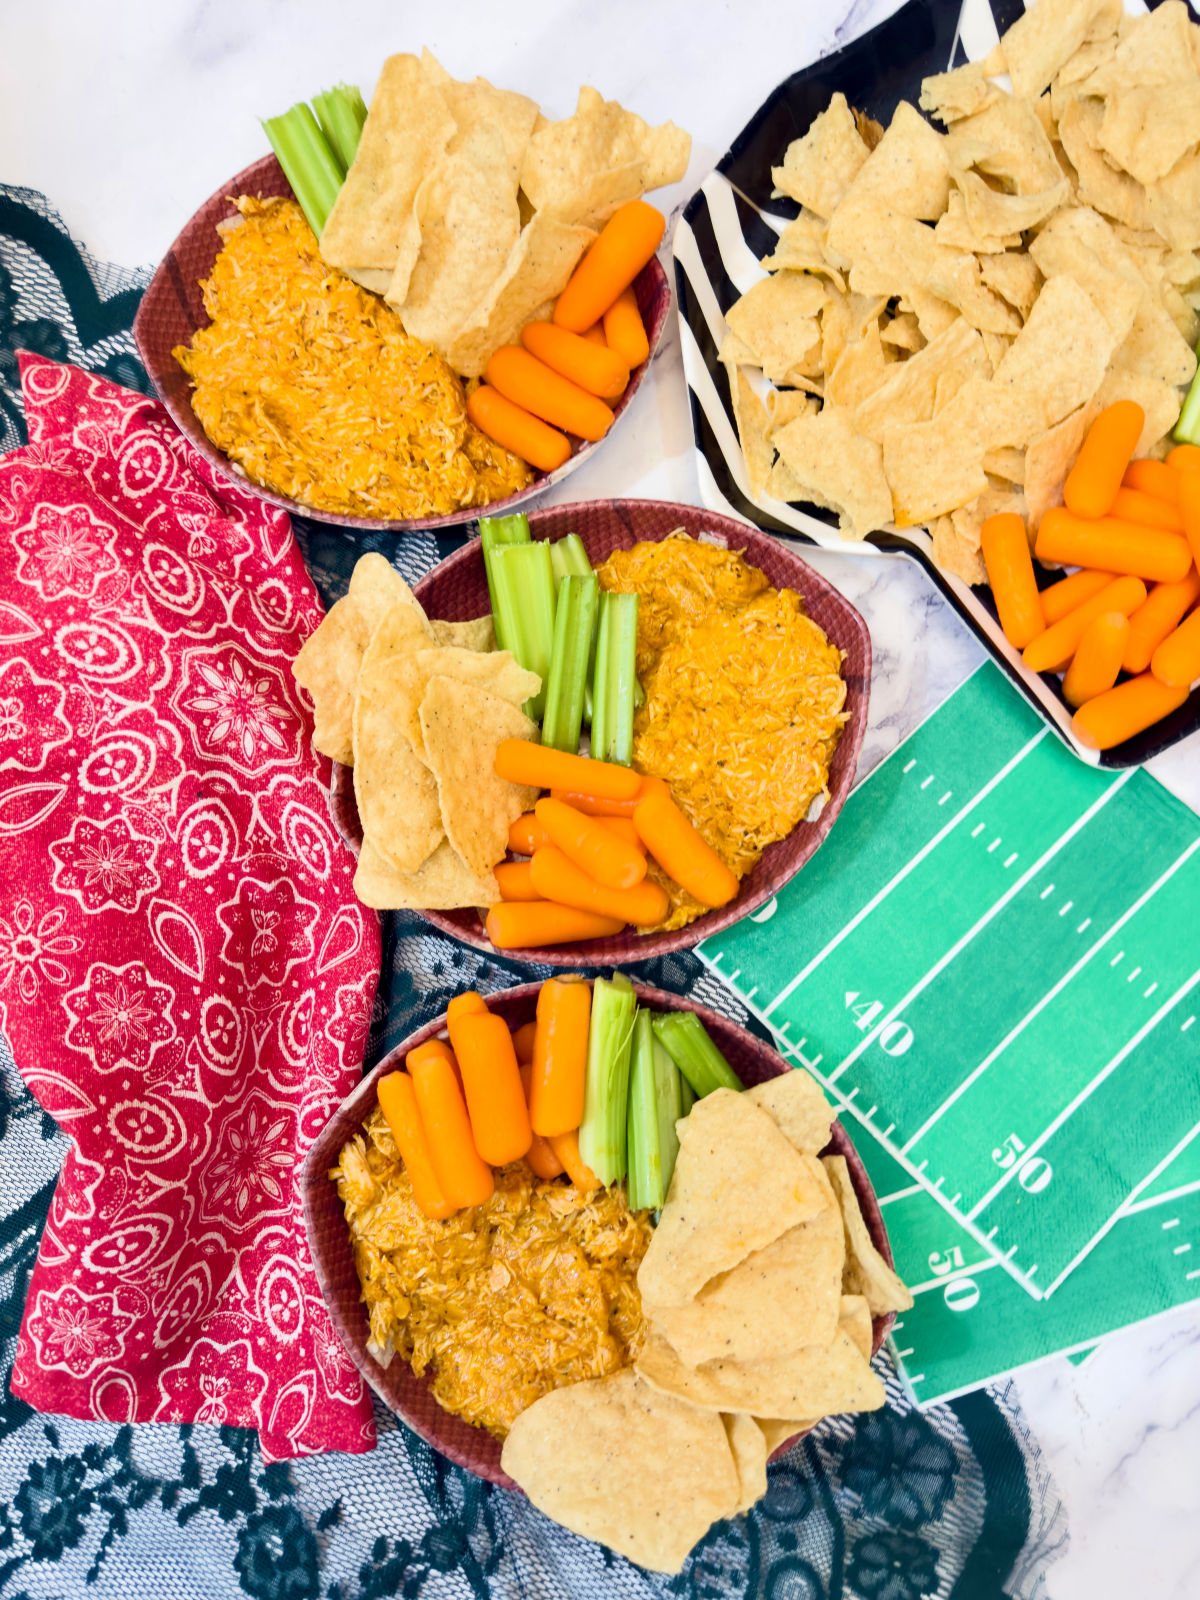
(549, 611)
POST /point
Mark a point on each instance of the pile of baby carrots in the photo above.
(584, 851)
(465, 1106)
(565, 375)
(1132, 529)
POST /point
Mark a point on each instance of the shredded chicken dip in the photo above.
(744, 697)
(503, 1302)
(312, 387)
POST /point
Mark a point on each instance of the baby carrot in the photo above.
(627, 241)
(523, 1038)
(1189, 508)
(1184, 457)
(681, 852)
(528, 924)
(492, 1081)
(1113, 545)
(522, 761)
(540, 1156)
(530, 383)
(1096, 664)
(595, 334)
(593, 367)
(465, 1180)
(624, 329)
(399, 1105)
(624, 829)
(1152, 477)
(1134, 505)
(1064, 596)
(597, 806)
(1158, 615)
(515, 882)
(595, 849)
(1096, 476)
(1176, 662)
(566, 1148)
(561, 880)
(431, 1050)
(466, 1004)
(526, 436)
(560, 1049)
(1132, 706)
(525, 835)
(1051, 650)
(1010, 573)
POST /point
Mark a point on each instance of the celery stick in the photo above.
(568, 555)
(644, 1184)
(341, 113)
(524, 598)
(309, 164)
(1187, 429)
(493, 532)
(639, 694)
(574, 620)
(687, 1096)
(668, 1087)
(612, 691)
(687, 1041)
(621, 980)
(610, 1038)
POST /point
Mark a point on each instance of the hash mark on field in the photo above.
(991, 1233)
(1009, 1254)
(975, 832)
(903, 1353)
(939, 1183)
(1084, 925)
(993, 844)
(945, 797)
(1066, 908)
(918, 1377)
(751, 993)
(897, 1325)
(1195, 1273)
(735, 974)
(783, 1028)
(1120, 956)
(1181, 1249)
(1150, 991)
(1174, 1223)
(1011, 859)
(867, 1115)
(923, 1165)
(851, 1095)
(911, 765)
(716, 959)
(957, 1198)
(1132, 975)
(887, 1132)
(1187, 1024)
(928, 781)
(1047, 892)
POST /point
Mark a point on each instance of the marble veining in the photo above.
(128, 115)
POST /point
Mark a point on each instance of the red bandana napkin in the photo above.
(186, 976)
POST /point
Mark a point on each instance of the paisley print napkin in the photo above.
(185, 975)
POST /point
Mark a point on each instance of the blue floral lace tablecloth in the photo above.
(954, 1502)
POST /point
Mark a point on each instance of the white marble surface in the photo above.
(129, 114)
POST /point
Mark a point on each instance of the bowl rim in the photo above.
(314, 1169)
(592, 952)
(266, 171)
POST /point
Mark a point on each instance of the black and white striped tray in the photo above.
(732, 221)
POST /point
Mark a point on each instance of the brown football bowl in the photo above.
(172, 309)
(410, 1397)
(457, 589)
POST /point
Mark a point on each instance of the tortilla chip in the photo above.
(581, 169)
(1049, 458)
(855, 1321)
(462, 725)
(948, 96)
(818, 168)
(780, 1297)
(956, 228)
(1082, 245)
(571, 1453)
(776, 319)
(841, 466)
(712, 1218)
(908, 172)
(1006, 140)
(1155, 348)
(785, 404)
(867, 1273)
(397, 795)
(1005, 462)
(1159, 399)
(538, 267)
(991, 212)
(471, 103)
(1153, 49)
(859, 370)
(846, 318)
(467, 213)
(1059, 358)
(817, 1380)
(1099, 184)
(794, 1100)
(327, 666)
(403, 629)
(749, 1449)
(441, 883)
(407, 129)
(776, 1431)
(909, 391)
(753, 425)
(478, 633)
(968, 520)
(1014, 276)
(903, 331)
(497, 671)
(1048, 35)
(1147, 129)
(934, 315)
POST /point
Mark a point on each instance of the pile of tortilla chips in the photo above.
(418, 708)
(950, 311)
(468, 211)
(758, 1291)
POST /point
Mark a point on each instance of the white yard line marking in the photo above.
(1066, 908)
(1052, 993)
(901, 1194)
(1181, 1249)
(1150, 991)
(909, 866)
(995, 842)
(928, 781)
(993, 911)
(1130, 976)
(1120, 956)
(1047, 892)
(1173, 1223)
(978, 829)
(1084, 925)
(945, 797)
(1188, 1276)
(910, 765)
(1132, 1206)
(1187, 1024)
(1011, 859)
